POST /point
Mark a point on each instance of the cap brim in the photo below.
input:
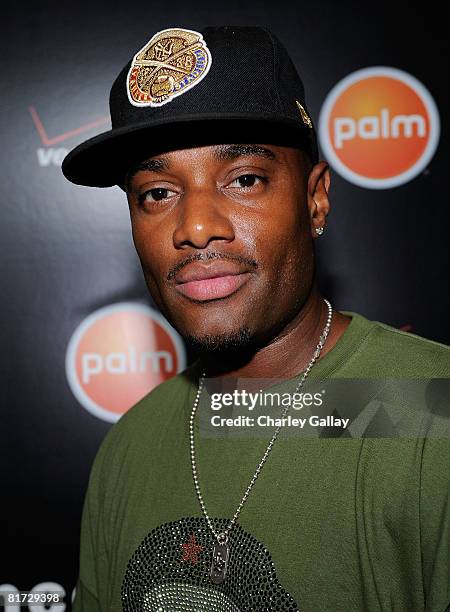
(104, 160)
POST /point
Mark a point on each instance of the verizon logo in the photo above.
(49, 154)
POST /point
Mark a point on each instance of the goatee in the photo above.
(221, 345)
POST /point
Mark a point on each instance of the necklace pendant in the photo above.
(221, 553)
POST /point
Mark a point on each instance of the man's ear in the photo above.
(318, 202)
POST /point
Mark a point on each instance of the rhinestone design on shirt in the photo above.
(159, 577)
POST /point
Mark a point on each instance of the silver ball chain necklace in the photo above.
(221, 549)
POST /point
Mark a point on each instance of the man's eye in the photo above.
(246, 180)
(155, 195)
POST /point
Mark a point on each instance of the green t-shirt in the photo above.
(337, 523)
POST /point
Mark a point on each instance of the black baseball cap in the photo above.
(184, 88)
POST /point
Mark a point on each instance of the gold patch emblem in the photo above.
(170, 63)
(305, 117)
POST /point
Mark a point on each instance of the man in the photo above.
(213, 145)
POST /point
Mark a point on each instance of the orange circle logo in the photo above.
(118, 354)
(379, 127)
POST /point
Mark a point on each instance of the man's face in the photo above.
(223, 234)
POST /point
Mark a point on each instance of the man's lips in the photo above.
(202, 282)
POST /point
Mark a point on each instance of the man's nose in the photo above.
(202, 218)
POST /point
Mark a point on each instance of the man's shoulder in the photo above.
(404, 340)
(163, 399)
(390, 351)
(158, 406)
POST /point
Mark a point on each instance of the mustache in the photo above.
(206, 257)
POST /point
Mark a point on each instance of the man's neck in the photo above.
(290, 352)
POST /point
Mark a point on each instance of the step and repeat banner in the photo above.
(82, 340)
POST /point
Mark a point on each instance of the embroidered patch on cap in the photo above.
(172, 62)
(305, 117)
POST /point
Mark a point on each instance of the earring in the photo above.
(319, 231)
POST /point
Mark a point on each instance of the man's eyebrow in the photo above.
(224, 152)
(150, 165)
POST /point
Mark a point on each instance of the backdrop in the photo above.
(81, 342)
